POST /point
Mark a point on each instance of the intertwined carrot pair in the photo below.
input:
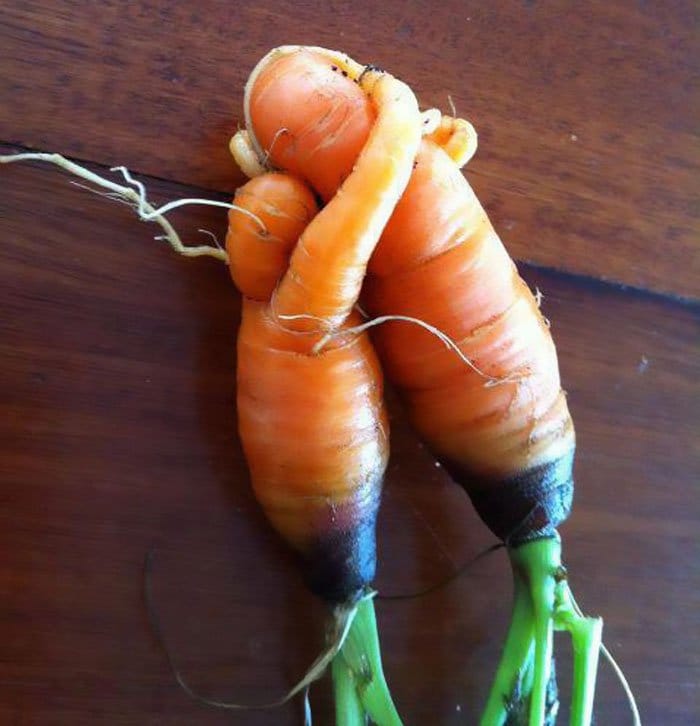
(456, 330)
(402, 232)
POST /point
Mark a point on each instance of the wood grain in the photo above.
(117, 435)
(589, 154)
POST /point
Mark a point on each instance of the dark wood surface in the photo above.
(117, 415)
(588, 116)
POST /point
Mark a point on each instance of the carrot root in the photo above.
(135, 196)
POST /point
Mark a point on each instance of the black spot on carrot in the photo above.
(368, 69)
(526, 506)
(345, 73)
(340, 566)
(341, 560)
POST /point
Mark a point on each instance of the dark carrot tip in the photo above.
(527, 506)
(342, 562)
(340, 567)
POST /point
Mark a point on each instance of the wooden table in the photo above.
(117, 417)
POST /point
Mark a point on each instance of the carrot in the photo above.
(314, 431)
(313, 425)
(500, 424)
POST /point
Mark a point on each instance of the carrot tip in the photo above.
(527, 506)
(342, 563)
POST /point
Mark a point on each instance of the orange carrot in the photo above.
(313, 427)
(500, 424)
(313, 424)
(259, 254)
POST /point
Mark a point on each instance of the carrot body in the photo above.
(313, 424)
(313, 427)
(504, 432)
(315, 435)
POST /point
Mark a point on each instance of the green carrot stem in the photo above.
(517, 653)
(539, 564)
(527, 677)
(524, 672)
(348, 707)
(543, 603)
(586, 635)
(361, 655)
(587, 639)
(544, 627)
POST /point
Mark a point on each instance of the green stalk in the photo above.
(587, 639)
(348, 707)
(539, 563)
(361, 656)
(543, 603)
(516, 655)
(586, 635)
(543, 596)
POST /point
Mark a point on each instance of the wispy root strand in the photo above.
(443, 337)
(343, 617)
(135, 197)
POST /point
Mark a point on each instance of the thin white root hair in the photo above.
(344, 618)
(362, 311)
(453, 108)
(322, 322)
(113, 196)
(136, 198)
(212, 236)
(624, 683)
(278, 133)
(148, 213)
(443, 337)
